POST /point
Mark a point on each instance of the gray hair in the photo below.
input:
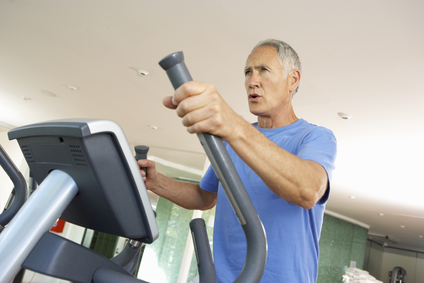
(286, 55)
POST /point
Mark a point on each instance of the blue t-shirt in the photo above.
(292, 231)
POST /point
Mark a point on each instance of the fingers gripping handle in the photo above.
(178, 74)
(141, 153)
(236, 193)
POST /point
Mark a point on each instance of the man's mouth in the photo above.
(254, 97)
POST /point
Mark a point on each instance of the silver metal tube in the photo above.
(35, 217)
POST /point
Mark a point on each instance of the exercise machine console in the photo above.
(88, 176)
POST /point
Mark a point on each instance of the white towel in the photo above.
(355, 275)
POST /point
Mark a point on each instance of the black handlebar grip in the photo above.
(141, 153)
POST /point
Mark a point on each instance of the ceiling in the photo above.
(363, 58)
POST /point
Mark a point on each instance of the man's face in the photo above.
(266, 85)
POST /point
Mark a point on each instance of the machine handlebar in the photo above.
(224, 169)
(20, 189)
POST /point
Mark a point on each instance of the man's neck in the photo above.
(276, 122)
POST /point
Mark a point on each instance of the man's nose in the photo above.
(254, 81)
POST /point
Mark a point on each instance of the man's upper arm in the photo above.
(321, 150)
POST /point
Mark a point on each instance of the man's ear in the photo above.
(294, 79)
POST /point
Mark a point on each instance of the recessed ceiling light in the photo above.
(352, 197)
(420, 236)
(344, 115)
(402, 226)
(153, 127)
(143, 72)
(381, 214)
(72, 87)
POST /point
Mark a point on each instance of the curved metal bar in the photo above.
(224, 168)
(35, 217)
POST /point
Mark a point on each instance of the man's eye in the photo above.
(247, 73)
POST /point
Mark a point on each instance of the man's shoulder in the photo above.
(314, 129)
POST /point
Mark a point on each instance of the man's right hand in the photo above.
(203, 110)
(152, 174)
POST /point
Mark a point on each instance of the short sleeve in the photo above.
(320, 145)
(209, 181)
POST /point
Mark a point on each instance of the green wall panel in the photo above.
(341, 242)
(162, 259)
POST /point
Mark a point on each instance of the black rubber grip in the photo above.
(141, 153)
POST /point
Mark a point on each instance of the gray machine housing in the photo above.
(88, 176)
(111, 194)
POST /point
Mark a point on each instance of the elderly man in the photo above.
(284, 162)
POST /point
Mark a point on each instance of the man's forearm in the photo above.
(186, 195)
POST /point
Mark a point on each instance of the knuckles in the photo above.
(182, 108)
(194, 96)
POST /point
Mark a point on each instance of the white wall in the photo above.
(374, 259)
(381, 260)
(419, 273)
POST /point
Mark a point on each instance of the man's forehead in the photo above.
(262, 56)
